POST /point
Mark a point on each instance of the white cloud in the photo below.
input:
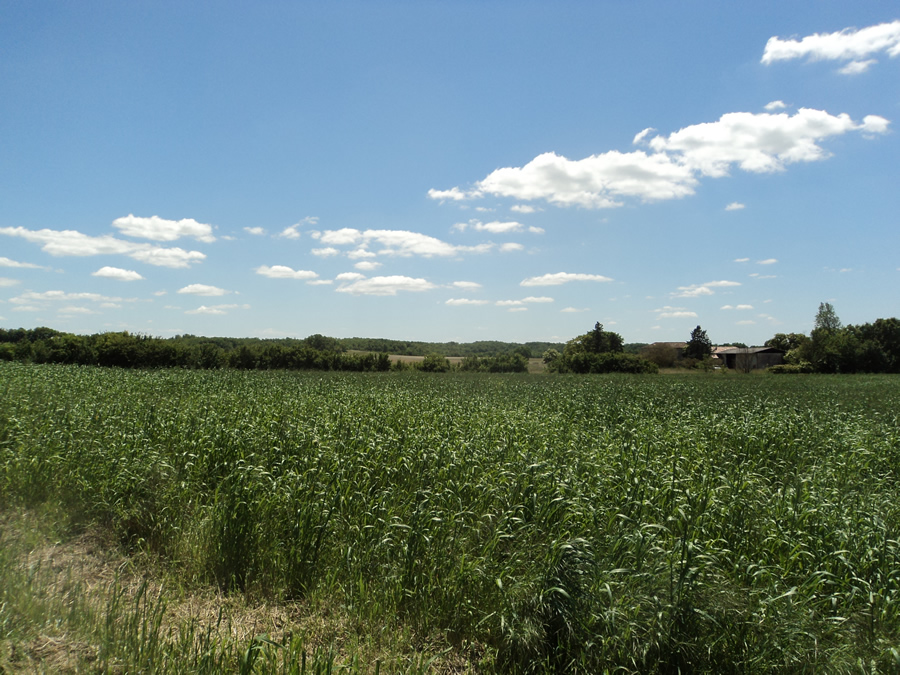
(160, 229)
(6, 262)
(739, 307)
(214, 310)
(61, 296)
(465, 301)
(741, 260)
(6, 282)
(325, 252)
(517, 309)
(467, 285)
(73, 243)
(342, 237)
(508, 303)
(558, 278)
(257, 231)
(523, 208)
(755, 142)
(598, 181)
(386, 286)
(360, 253)
(511, 246)
(203, 289)
(117, 273)
(674, 313)
(349, 276)
(759, 142)
(850, 45)
(541, 299)
(319, 282)
(495, 227)
(857, 67)
(775, 105)
(367, 265)
(697, 290)
(290, 232)
(536, 230)
(453, 194)
(283, 272)
(572, 310)
(735, 206)
(767, 261)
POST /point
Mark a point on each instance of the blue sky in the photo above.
(448, 170)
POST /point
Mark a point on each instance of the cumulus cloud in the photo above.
(291, 232)
(5, 282)
(754, 142)
(465, 301)
(573, 310)
(367, 265)
(739, 307)
(61, 243)
(674, 313)
(735, 206)
(389, 285)
(511, 246)
(349, 276)
(60, 296)
(523, 208)
(495, 227)
(759, 142)
(557, 278)
(466, 285)
(767, 261)
(117, 273)
(257, 231)
(283, 272)
(509, 303)
(775, 105)
(697, 290)
(360, 253)
(213, 310)
(540, 299)
(6, 262)
(402, 243)
(77, 310)
(741, 260)
(160, 229)
(851, 45)
(203, 289)
(453, 194)
(325, 252)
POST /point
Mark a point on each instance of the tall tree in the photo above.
(699, 346)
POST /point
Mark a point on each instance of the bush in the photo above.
(790, 368)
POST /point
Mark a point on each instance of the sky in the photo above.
(441, 170)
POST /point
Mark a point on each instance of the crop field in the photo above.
(406, 522)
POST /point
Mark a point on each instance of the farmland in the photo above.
(710, 523)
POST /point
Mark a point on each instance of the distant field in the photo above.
(443, 522)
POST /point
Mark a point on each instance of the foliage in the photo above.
(530, 524)
(699, 346)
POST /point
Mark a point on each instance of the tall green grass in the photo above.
(620, 524)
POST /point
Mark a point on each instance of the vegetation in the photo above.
(834, 348)
(599, 351)
(699, 347)
(516, 524)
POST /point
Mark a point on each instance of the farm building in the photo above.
(751, 358)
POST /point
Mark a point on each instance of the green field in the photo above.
(406, 522)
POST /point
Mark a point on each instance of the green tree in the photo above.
(598, 341)
(699, 346)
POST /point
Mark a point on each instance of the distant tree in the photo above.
(826, 318)
(699, 346)
(598, 341)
